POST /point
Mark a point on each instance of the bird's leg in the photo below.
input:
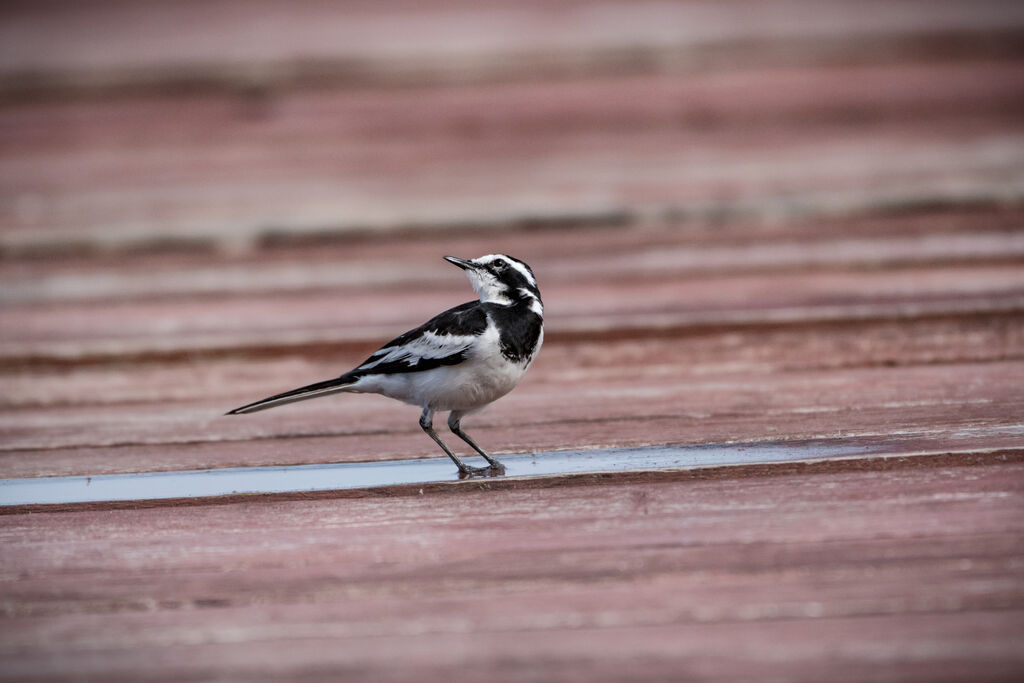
(427, 423)
(454, 424)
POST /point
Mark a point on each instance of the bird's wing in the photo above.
(443, 340)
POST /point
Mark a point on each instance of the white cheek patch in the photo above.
(474, 279)
(488, 287)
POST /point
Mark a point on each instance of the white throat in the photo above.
(489, 289)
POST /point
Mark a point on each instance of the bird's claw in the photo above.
(494, 470)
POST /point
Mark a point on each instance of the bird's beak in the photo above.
(460, 262)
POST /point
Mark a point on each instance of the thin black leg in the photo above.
(455, 424)
(427, 424)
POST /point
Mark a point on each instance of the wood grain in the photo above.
(751, 221)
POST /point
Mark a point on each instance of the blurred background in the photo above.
(188, 186)
(202, 203)
(751, 220)
(227, 126)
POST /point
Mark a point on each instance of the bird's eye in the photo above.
(500, 265)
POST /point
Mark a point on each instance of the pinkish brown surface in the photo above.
(896, 574)
(751, 221)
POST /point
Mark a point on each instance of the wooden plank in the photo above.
(368, 263)
(273, 44)
(860, 380)
(604, 411)
(130, 175)
(630, 295)
(752, 221)
(912, 575)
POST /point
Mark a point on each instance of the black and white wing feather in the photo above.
(445, 339)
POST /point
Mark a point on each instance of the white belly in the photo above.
(469, 386)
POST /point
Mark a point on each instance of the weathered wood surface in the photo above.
(910, 575)
(751, 222)
(639, 349)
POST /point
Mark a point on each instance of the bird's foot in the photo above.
(466, 472)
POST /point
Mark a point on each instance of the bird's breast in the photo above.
(487, 373)
(519, 331)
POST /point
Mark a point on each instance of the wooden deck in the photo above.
(751, 222)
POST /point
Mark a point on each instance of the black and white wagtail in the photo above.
(458, 361)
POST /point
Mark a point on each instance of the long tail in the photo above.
(331, 386)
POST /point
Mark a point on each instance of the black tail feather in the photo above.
(331, 386)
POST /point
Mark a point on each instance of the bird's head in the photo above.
(501, 279)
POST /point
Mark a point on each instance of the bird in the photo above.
(459, 361)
